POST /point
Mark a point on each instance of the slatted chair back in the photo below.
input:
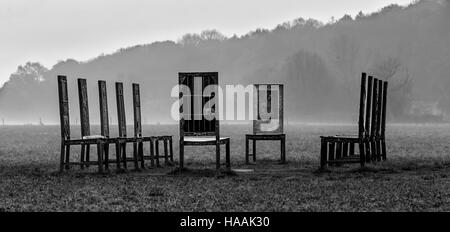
(269, 109)
(199, 105)
(64, 108)
(372, 112)
(362, 103)
(84, 107)
(383, 110)
(137, 111)
(104, 117)
(368, 107)
(378, 109)
(371, 128)
(121, 110)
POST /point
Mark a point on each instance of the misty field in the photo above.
(416, 176)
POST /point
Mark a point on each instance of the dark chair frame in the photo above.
(138, 139)
(153, 140)
(122, 140)
(104, 140)
(191, 129)
(340, 149)
(85, 141)
(267, 136)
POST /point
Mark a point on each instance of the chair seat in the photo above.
(342, 138)
(265, 135)
(203, 139)
(348, 136)
(268, 134)
(94, 137)
(158, 138)
(90, 139)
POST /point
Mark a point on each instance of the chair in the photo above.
(86, 138)
(138, 139)
(199, 112)
(269, 123)
(123, 139)
(153, 140)
(340, 149)
(104, 127)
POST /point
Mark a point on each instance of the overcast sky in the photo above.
(50, 30)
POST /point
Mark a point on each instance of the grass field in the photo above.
(416, 176)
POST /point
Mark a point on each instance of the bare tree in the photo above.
(392, 70)
(212, 35)
(400, 84)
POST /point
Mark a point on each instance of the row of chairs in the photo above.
(104, 140)
(335, 150)
(203, 130)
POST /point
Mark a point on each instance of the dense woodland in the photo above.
(320, 63)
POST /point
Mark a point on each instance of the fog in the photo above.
(320, 64)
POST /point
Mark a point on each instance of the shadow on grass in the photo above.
(186, 172)
(263, 167)
(384, 168)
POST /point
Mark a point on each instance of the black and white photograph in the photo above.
(226, 106)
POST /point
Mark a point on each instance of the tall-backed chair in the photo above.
(270, 119)
(371, 140)
(123, 139)
(104, 127)
(153, 140)
(199, 114)
(86, 138)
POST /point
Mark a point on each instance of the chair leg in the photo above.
(339, 150)
(227, 156)
(67, 157)
(166, 153)
(380, 151)
(246, 151)
(118, 160)
(106, 160)
(373, 149)
(100, 157)
(171, 149)
(368, 152)
(82, 156)
(157, 152)
(323, 153)
(141, 154)
(87, 153)
(62, 157)
(254, 150)
(345, 149)
(383, 148)
(352, 149)
(124, 155)
(283, 150)
(331, 151)
(362, 156)
(135, 156)
(217, 155)
(181, 155)
(152, 154)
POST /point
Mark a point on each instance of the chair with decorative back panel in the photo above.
(268, 126)
(199, 114)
